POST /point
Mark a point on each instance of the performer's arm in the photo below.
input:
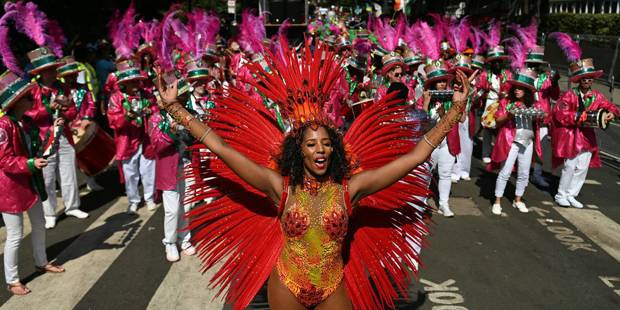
(502, 115)
(259, 177)
(371, 181)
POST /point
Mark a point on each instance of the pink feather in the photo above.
(166, 45)
(571, 49)
(441, 26)
(8, 58)
(55, 39)
(251, 32)
(149, 31)
(517, 53)
(31, 21)
(459, 34)
(527, 35)
(386, 35)
(362, 46)
(411, 37)
(495, 34)
(478, 40)
(124, 33)
(429, 43)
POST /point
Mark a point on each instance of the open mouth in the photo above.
(320, 162)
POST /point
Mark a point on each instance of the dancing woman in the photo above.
(332, 197)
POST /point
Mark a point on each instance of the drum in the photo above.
(94, 148)
(596, 119)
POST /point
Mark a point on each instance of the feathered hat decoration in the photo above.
(479, 43)
(300, 86)
(168, 42)
(428, 42)
(570, 48)
(527, 35)
(386, 35)
(124, 32)
(252, 32)
(150, 32)
(517, 53)
(459, 34)
(494, 36)
(200, 33)
(29, 20)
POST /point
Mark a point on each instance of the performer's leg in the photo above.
(505, 172)
(131, 172)
(337, 300)
(49, 175)
(487, 139)
(172, 200)
(68, 175)
(279, 296)
(467, 147)
(523, 173)
(147, 174)
(566, 177)
(38, 234)
(537, 177)
(581, 172)
(444, 169)
(14, 233)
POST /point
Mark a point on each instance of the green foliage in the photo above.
(595, 24)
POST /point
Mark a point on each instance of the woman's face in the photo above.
(519, 92)
(441, 85)
(316, 148)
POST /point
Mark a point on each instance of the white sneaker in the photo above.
(188, 249)
(94, 187)
(465, 177)
(562, 202)
(496, 209)
(455, 178)
(77, 213)
(521, 206)
(445, 210)
(132, 209)
(575, 203)
(151, 205)
(486, 160)
(172, 253)
(539, 180)
(50, 222)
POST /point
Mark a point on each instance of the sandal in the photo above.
(50, 268)
(18, 289)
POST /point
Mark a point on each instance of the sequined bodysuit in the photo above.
(314, 226)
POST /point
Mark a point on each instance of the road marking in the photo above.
(592, 182)
(444, 295)
(179, 290)
(609, 282)
(592, 206)
(596, 226)
(547, 203)
(86, 259)
(564, 234)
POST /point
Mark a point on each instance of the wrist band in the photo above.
(429, 142)
(204, 136)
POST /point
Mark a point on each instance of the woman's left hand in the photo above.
(167, 93)
(464, 92)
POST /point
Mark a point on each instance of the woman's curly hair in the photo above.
(291, 160)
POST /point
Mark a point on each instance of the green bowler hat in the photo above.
(12, 88)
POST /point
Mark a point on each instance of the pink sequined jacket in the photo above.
(43, 118)
(166, 155)
(128, 135)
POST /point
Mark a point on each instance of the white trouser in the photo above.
(523, 156)
(463, 159)
(137, 168)
(15, 232)
(444, 160)
(416, 241)
(64, 162)
(544, 142)
(574, 175)
(175, 222)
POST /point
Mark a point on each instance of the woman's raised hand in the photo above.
(167, 93)
(464, 92)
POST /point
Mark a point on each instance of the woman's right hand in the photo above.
(40, 163)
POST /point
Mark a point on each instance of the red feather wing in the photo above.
(386, 230)
(240, 226)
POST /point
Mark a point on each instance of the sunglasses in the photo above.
(398, 74)
(587, 80)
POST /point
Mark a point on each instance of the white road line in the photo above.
(86, 259)
(547, 203)
(592, 182)
(592, 206)
(596, 226)
(185, 287)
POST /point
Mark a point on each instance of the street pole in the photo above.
(611, 72)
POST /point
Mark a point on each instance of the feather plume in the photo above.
(55, 39)
(362, 46)
(124, 33)
(166, 45)
(495, 34)
(429, 43)
(528, 34)
(8, 58)
(478, 40)
(441, 26)
(251, 32)
(517, 53)
(411, 38)
(571, 49)
(460, 34)
(149, 31)
(386, 35)
(202, 30)
(31, 21)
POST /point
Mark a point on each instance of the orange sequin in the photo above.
(314, 226)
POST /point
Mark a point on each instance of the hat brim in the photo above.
(594, 75)
(467, 71)
(131, 78)
(66, 73)
(51, 65)
(532, 88)
(446, 77)
(534, 61)
(497, 58)
(18, 95)
(393, 65)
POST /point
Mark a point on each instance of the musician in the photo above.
(438, 78)
(51, 101)
(517, 137)
(84, 102)
(170, 147)
(129, 109)
(493, 82)
(20, 170)
(393, 70)
(574, 145)
(547, 89)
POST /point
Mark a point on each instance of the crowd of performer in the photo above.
(62, 117)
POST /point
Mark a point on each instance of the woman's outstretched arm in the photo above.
(372, 181)
(259, 177)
